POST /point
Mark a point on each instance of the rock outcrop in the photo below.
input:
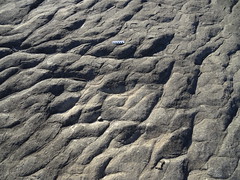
(161, 105)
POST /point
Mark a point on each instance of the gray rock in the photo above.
(162, 105)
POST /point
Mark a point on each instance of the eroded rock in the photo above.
(162, 105)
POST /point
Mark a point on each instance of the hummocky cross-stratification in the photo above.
(162, 105)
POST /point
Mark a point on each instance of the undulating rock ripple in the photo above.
(162, 106)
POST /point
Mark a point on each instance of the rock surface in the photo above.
(163, 105)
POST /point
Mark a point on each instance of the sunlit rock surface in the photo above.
(163, 105)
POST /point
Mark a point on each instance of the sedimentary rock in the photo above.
(162, 105)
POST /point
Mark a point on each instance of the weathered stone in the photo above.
(162, 104)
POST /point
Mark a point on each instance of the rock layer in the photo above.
(163, 105)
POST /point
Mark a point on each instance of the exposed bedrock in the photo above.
(161, 105)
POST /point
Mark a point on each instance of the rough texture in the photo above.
(163, 105)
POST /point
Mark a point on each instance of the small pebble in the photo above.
(100, 118)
